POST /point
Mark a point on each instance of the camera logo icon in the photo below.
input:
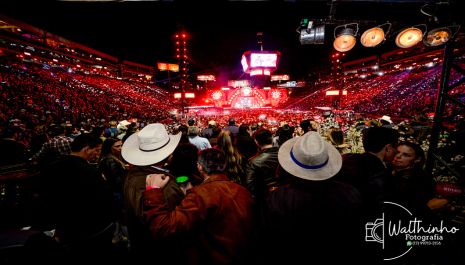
(374, 231)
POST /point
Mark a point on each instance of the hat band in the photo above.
(151, 150)
(307, 166)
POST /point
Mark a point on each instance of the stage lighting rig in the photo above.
(311, 31)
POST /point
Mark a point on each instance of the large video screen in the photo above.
(263, 59)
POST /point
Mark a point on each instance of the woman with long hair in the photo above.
(113, 168)
(235, 166)
(111, 163)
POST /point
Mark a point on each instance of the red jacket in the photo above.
(216, 215)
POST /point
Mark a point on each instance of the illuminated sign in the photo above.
(260, 72)
(206, 78)
(168, 67)
(263, 60)
(238, 83)
(186, 95)
(292, 84)
(335, 92)
(173, 67)
(279, 77)
(162, 66)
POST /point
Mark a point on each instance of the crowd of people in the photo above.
(401, 94)
(203, 193)
(119, 176)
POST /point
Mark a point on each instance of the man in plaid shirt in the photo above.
(54, 148)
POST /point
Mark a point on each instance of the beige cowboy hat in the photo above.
(150, 145)
(310, 157)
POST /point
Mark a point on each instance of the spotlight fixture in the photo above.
(409, 37)
(437, 37)
(344, 37)
(311, 32)
(374, 36)
(440, 36)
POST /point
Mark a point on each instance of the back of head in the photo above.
(285, 134)
(83, 140)
(375, 138)
(212, 161)
(211, 124)
(68, 129)
(231, 121)
(305, 125)
(191, 122)
(216, 131)
(336, 136)
(263, 137)
(97, 131)
(226, 141)
(184, 160)
(57, 129)
(254, 127)
(183, 129)
(244, 129)
(193, 131)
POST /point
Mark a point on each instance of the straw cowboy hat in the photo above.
(310, 157)
(149, 146)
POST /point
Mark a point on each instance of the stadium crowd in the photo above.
(120, 174)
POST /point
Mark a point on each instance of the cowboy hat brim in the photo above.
(134, 155)
(330, 169)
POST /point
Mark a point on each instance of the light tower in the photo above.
(337, 77)
(182, 58)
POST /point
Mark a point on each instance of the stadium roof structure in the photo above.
(219, 32)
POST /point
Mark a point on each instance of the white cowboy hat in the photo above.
(124, 123)
(310, 157)
(386, 118)
(149, 146)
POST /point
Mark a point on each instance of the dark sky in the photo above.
(219, 31)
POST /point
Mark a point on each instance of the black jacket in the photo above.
(305, 221)
(81, 203)
(368, 174)
(261, 172)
